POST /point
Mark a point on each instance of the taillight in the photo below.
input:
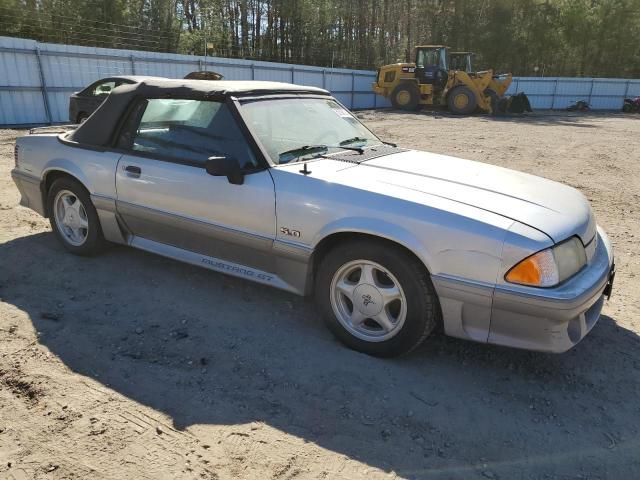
(15, 154)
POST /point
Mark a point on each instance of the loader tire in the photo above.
(462, 101)
(495, 100)
(405, 96)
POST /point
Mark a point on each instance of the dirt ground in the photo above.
(129, 365)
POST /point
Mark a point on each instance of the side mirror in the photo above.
(225, 167)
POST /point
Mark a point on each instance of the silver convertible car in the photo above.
(282, 185)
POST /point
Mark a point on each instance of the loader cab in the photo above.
(462, 61)
(432, 65)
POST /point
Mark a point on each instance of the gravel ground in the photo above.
(129, 365)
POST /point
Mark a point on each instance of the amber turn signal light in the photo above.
(538, 270)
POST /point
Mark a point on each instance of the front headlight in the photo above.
(551, 266)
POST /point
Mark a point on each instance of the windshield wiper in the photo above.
(318, 148)
(354, 139)
(360, 139)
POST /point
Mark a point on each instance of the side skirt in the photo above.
(213, 263)
(112, 229)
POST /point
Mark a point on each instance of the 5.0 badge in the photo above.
(290, 232)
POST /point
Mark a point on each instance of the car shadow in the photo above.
(205, 348)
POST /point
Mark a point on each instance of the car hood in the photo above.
(555, 209)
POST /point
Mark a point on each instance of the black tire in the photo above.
(495, 100)
(422, 307)
(454, 104)
(406, 96)
(82, 117)
(94, 242)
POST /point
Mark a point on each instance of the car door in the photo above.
(166, 197)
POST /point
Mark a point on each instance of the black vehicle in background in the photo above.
(85, 102)
(204, 75)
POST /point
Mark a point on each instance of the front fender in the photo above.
(377, 228)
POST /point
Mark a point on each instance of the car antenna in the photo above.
(305, 170)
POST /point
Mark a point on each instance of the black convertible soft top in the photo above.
(99, 128)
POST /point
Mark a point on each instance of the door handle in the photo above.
(133, 170)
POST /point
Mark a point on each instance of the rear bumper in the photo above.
(554, 319)
(30, 193)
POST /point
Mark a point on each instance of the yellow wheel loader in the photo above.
(461, 61)
(464, 61)
(430, 81)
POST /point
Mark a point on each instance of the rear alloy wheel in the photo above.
(73, 217)
(405, 96)
(376, 298)
(462, 101)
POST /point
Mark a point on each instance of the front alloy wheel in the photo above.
(368, 300)
(376, 297)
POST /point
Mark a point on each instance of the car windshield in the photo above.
(294, 128)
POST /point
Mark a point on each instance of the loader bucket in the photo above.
(500, 83)
(518, 103)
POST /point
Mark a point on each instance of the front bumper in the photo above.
(553, 319)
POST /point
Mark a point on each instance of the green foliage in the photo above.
(526, 37)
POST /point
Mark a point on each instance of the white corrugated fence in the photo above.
(553, 93)
(36, 79)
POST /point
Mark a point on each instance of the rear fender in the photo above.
(68, 167)
(105, 204)
(55, 167)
